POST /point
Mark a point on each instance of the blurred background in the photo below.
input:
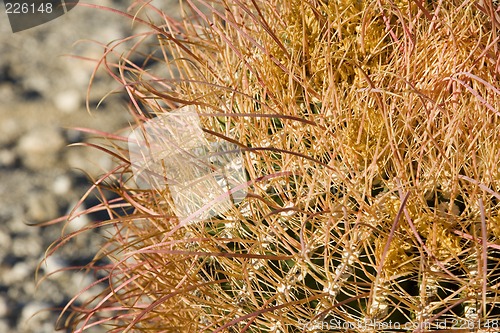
(42, 96)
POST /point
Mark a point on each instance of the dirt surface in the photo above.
(42, 94)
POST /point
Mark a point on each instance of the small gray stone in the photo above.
(5, 242)
(33, 315)
(4, 308)
(77, 222)
(68, 101)
(42, 206)
(17, 273)
(7, 157)
(39, 148)
(10, 130)
(61, 185)
(94, 162)
(6, 92)
(4, 326)
(52, 264)
(27, 246)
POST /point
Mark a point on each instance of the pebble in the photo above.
(41, 206)
(18, 272)
(4, 308)
(6, 92)
(68, 101)
(61, 185)
(52, 264)
(9, 129)
(38, 148)
(77, 222)
(91, 160)
(33, 313)
(4, 326)
(7, 158)
(5, 242)
(17, 224)
(26, 246)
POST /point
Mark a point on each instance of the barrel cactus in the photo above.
(369, 138)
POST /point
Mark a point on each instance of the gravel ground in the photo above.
(42, 95)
